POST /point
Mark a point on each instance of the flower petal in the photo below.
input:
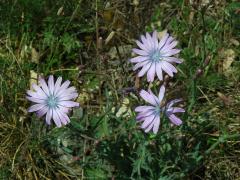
(148, 97)
(35, 107)
(39, 90)
(155, 39)
(171, 103)
(175, 110)
(163, 41)
(170, 66)
(143, 108)
(68, 103)
(140, 117)
(68, 97)
(168, 42)
(146, 113)
(149, 127)
(138, 65)
(175, 120)
(171, 52)
(66, 117)
(138, 59)
(159, 71)
(154, 97)
(156, 124)
(144, 69)
(63, 109)
(36, 95)
(144, 40)
(51, 84)
(167, 69)
(36, 100)
(61, 117)
(172, 60)
(149, 41)
(56, 119)
(140, 52)
(63, 88)
(161, 93)
(57, 85)
(42, 111)
(142, 46)
(148, 120)
(65, 84)
(170, 46)
(151, 73)
(66, 92)
(49, 116)
(44, 86)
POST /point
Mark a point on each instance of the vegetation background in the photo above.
(89, 42)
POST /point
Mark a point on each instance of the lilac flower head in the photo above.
(170, 112)
(150, 115)
(155, 56)
(52, 99)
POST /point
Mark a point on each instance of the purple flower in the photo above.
(155, 56)
(170, 112)
(53, 99)
(150, 115)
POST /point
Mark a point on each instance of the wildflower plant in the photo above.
(155, 56)
(53, 99)
(150, 115)
(170, 112)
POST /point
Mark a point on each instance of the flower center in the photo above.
(155, 56)
(157, 110)
(52, 101)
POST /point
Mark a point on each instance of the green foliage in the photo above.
(96, 174)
